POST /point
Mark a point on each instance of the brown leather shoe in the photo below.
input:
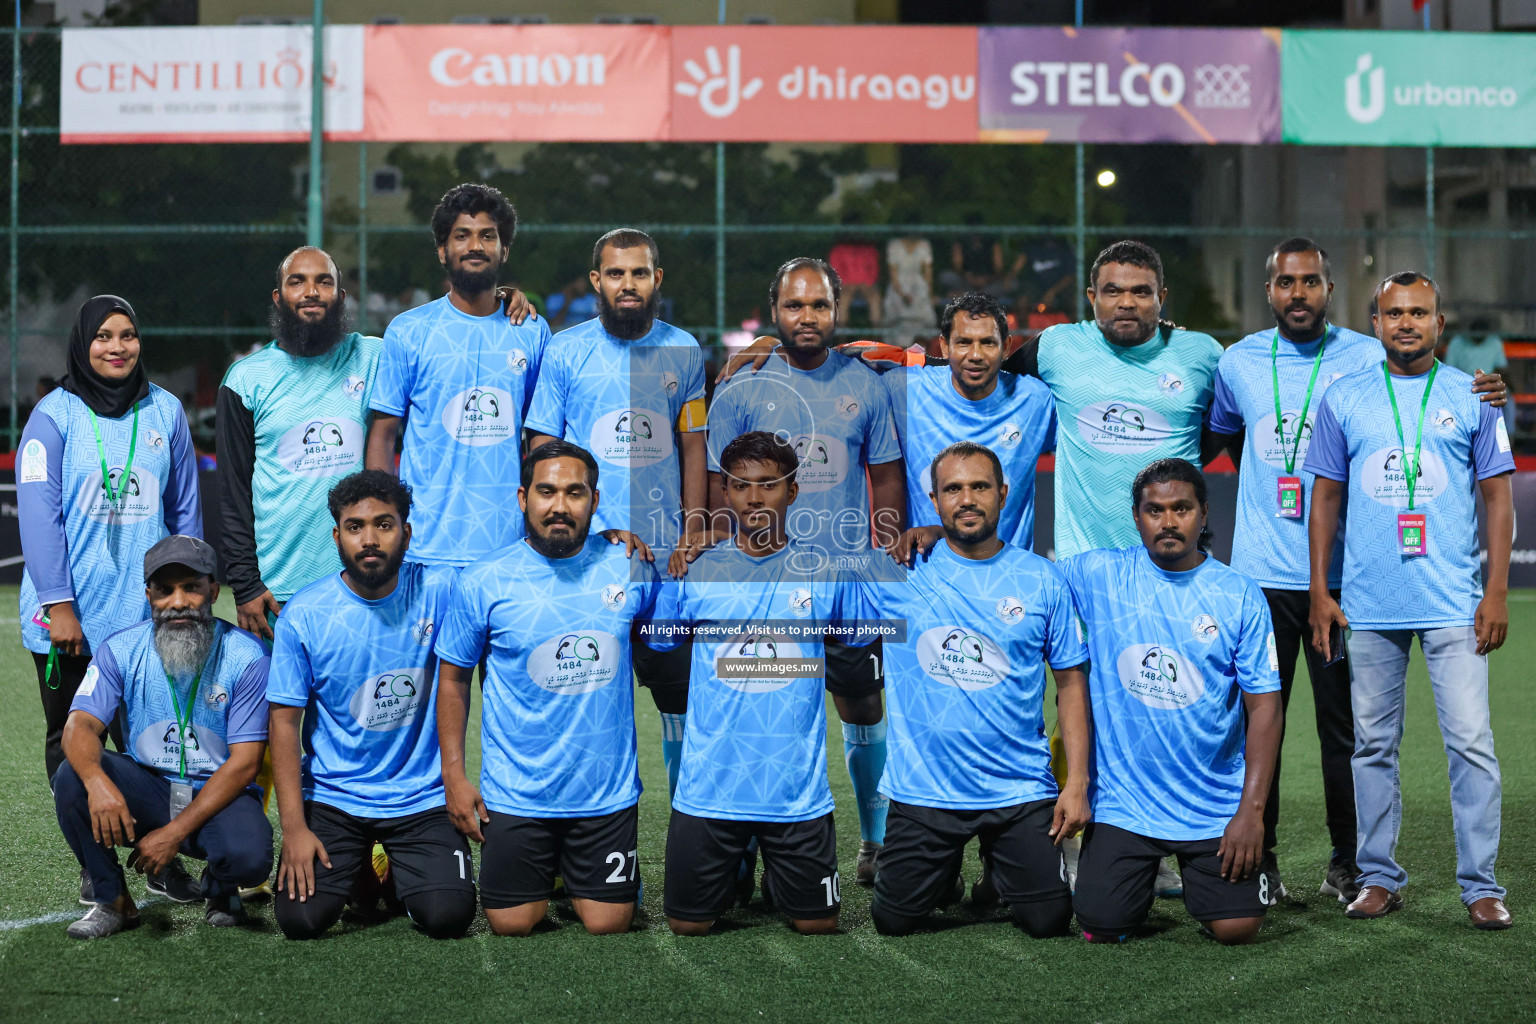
(1489, 914)
(1374, 901)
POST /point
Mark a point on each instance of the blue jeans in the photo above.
(1379, 667)
(236, 842)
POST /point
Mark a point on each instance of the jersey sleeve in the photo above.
(290, 680)
(852, 604)
(1026, 360)
(247, 721)
(542, 338)
(396, 377)
(1052, 424)
(1328, 453)
(101, 691)
(182, 500)
(1491, 453)
(461, 640)
(724, 424)
(1226, 417)
(880, 442)
(1078, 572)
(546, 413)
(1257, 660)
(1064, 647)
(236, 431)
(661, 628)
(40, 510)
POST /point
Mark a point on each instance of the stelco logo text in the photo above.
(1092, 85)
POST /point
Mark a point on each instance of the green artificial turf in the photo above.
(1312, 964)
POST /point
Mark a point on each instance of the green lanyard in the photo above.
(114, 494)
(184, 721)
(1289, 455)
(1410, 472)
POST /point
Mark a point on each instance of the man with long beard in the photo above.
(460, 374)
(630, 389)
(291, 419)
(192, 690)
(353, 666)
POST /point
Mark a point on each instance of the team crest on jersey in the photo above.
(353, 386)
(668, 383)
(1009, 435)
(1011, 610)
(614, 596)
(1159, 677)
(961, 657)
(800, 602)
(422, 632)
(215, 695)
(389, 700)
(847, 406)
(1445, 421)
(1170, 382)
(517, 361)
(1205, 628)
(155, 438)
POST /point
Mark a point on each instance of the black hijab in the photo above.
(108, 398)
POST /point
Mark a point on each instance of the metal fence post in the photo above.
(1429, 210)
(720, 225)
(316, 227)
(362, 237)
(15, 288)
(1081, 241)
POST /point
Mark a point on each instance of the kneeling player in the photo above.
(754, 761)
(353, 658)
(558, 767)
(1183, 656)
(968, 751)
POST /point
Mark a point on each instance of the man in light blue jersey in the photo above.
(968, 750)
(1409, 447)
(552, 615)
(460, 375)
(192, 693)
(1186, 720)
(971, 398)
(1129, 388)
(837, 414)
(1269, 387)
(754, 773)
(292, 419)
(353, 672)
(630, 389)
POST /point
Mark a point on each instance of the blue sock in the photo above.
(672, 747)
(864, 750)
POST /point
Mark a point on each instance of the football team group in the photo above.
(470, 495)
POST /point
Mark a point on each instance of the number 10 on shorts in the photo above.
(834, 891)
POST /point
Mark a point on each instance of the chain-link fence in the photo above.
(191, 234)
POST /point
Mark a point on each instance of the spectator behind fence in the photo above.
(857, 262)
(909, 296)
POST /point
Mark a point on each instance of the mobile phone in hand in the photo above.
(1335, 644)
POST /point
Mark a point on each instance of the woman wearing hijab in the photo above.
(106, 469)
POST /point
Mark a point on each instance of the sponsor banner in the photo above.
(245, 83)
(1129, 85)
(821, 84)
(1410, 88)
(515, 83)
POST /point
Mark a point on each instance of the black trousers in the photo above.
(58, 693)
(1335, 719)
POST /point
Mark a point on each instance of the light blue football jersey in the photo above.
(965, 692)
(366, 675)
(755, 746)
(1465, 441)
(557, 731)
(1118, 409)
(311, 420)
(622, 401)
(1172, 653)
(230, 705)
(1270, 548)
(838, 417)
(77, 544)
(1017, 421)
(462, 383)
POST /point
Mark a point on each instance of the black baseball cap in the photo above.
(179, 549)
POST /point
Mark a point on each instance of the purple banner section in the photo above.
(1130, 85)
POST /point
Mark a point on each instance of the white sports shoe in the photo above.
(1169, 882)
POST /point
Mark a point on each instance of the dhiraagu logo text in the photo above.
(576, 661)
(632, 437)
(1159, 676)
(158, 745)
(480, 417)
(323, 446)
(1122, 426)
(962, 657)
(386, 701)
(1384, 480)
(823, 461)
(138, 496)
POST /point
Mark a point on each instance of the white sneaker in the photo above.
(1071, 850)
(1169, 882)
(99, 922)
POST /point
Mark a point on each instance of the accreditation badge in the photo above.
(1288, 498)
(181, 797)
(1412, 533)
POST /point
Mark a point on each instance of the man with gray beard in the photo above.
(192, 693)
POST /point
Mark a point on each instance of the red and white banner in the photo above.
(505, 83)
(206, 84)
(819, 84)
